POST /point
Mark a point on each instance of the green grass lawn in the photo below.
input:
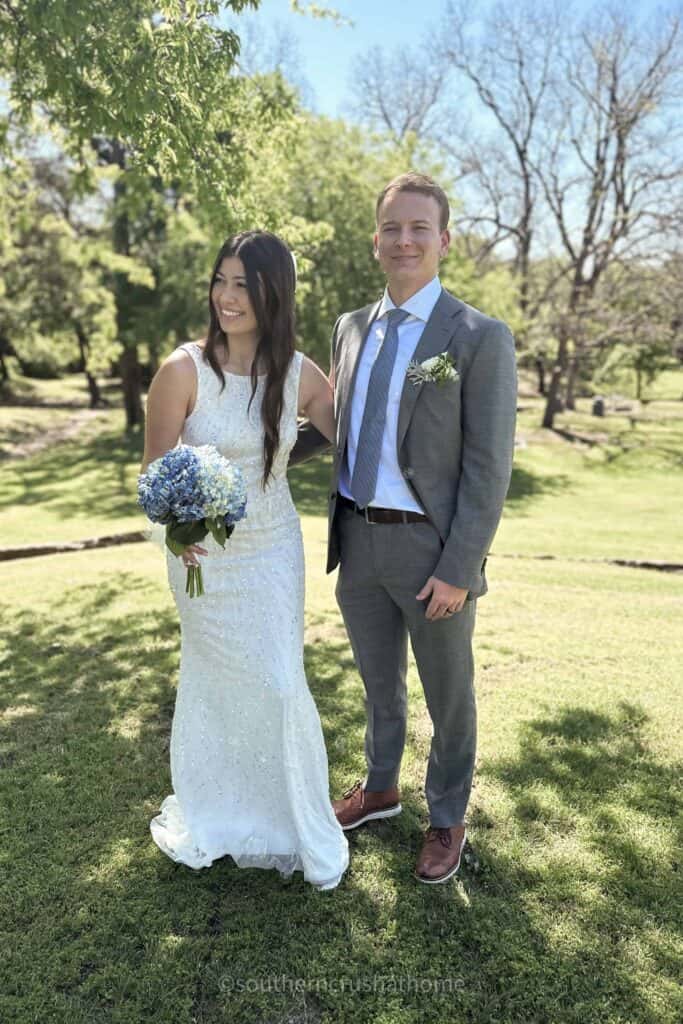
(84, 487)
(21, 424)
(568, 907)
(617, 498)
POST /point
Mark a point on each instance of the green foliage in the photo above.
(332, 179)
(320, 191)
(319, 194)
(492, 289)
(189, 151)
(55, 303)
(153, 76)
(166, 241)
(639, 308)
(320, 11)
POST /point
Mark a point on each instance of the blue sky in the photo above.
(326, 52)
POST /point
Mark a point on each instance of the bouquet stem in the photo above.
(194, 585)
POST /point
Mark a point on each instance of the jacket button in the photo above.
(408, 472)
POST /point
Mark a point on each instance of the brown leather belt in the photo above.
(382, 515)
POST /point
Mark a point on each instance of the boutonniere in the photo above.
(439, 370)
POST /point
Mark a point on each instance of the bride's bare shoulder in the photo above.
(177, 372)
(180, 358)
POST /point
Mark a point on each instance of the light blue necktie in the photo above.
(364, 479)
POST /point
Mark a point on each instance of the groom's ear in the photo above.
(375, 245)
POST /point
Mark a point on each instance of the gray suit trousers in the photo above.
(382, 568)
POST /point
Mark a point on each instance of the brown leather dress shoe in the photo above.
(358, 806)
(440, 854)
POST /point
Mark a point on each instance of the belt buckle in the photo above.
(364, 512)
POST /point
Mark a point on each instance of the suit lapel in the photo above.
(354, 342)
(435, 337)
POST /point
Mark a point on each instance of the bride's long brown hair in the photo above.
(271, 280)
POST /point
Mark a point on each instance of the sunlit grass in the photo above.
(566, 909)
(574, 818)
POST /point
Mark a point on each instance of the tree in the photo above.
(611, 171)
(320, 195)
(143, 73)
(149, 85)
(572, 162)
(399, 94)
(507, 63)
(635, 322)
(57, 307)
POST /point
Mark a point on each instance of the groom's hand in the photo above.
(445, 601)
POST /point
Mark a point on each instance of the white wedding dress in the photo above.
(248, 759)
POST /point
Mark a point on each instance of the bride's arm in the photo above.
(169, 402)
(316, 398)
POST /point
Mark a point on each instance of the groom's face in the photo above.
(409, 242)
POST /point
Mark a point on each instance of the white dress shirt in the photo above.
(392, 491)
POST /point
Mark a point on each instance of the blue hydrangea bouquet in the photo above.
(193, 491)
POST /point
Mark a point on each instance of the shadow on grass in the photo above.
(526, 486)
(99, 918)
(587, 783)
(629, 455)
(310, 482)
(96, 477)
(81, 478)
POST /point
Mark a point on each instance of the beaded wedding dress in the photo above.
(248, 760)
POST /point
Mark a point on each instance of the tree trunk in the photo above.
(94, 391)
(93, 387)
(5, 350)
(540, 370)
(553, 395)
(131, 384)
(639, 384)
(571, 382)
(131, 371)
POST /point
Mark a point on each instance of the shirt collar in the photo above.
(419, 305)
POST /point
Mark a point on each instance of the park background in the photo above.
(135, 137)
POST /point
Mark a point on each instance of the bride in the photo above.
(248, 760)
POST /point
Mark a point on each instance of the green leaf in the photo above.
(186, 533)
(218, 531)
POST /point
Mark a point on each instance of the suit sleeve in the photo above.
(489, 405)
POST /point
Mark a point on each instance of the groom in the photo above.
(421, 470)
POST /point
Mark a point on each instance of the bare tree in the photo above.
(564, 137)
(612, 169)
(399, 93)
(506, 61)
(267, 47)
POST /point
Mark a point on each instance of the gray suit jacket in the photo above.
(455, 440)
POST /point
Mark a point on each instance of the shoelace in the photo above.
(443, 835)
(354, 788)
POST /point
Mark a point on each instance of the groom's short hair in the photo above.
(422, 183)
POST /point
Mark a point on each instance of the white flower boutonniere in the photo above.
(439, 370)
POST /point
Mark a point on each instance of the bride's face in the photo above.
(231, 301)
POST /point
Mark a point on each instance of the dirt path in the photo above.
(47, 438)
(137, 536)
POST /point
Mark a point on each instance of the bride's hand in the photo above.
(189, 556)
